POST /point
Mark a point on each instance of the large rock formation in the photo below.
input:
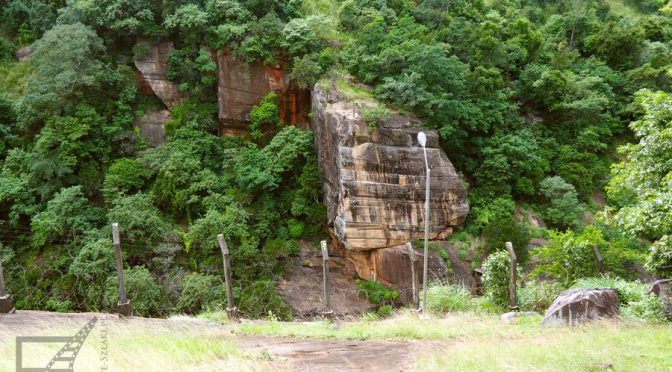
(154, 69)
(374, 181)
(580, 305)
(241, 86)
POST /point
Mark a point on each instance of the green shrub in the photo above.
(296, 228)
(7, 50)
(375, 116)
(384, 311)
(648, 309)
(496, 278)
(259, 299)
(266, 113)
(375, 292)
(141, 288)
(562, 202)
(443, 298)
(499, 232)
(201, 292)
(538, 295)
(660, 257)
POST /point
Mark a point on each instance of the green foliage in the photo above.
(124, 177)
(7, 50)
(66, 61)
(499, 232)
(201, 292)
(69, 214)
(375, 292)
(660, 257)
(569, 256)
(375, 116)
(563, 207)
(496, 277)
(444, 298)
(538, 295)
(91, 267)
(139, 220)
(143, 291)
(259, 300)
(265, 115)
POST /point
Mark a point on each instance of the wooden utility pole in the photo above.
(124, 304)
(231, 310)
(513, 303)
(414, 275)
(326, 278)
(5, 299)
(598, 258)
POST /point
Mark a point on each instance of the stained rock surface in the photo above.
(241, 85)
(153, 68)
(151, 125)
(577, 306)
(374, 181)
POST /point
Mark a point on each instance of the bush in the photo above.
(259, 299)
(443, 298)
(7, 50)
(375, 116)
(201, 292)
(648, 309)
(501, 231)
(563, 207)
(496, 278)
(375, 292)
(385, 311)
(538, 295)
(141, 288)
(660, 257)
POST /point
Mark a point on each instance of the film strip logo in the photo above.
(64, 360)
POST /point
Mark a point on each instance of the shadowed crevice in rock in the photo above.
(154, 70)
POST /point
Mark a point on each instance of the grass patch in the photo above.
(599, 346)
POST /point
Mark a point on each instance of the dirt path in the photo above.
(297, 354)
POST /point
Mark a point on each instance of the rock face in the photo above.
(374, 182)
(580, 305)
(241, 86)
(301, 286)
(23, 54)
(663, 289)
(151, 126)
(392, 267)
(154, 68)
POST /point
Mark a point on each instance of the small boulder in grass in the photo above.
(663, 289)
(511, 317)
(577, 306)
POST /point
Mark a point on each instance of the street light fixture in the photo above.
(422, 139)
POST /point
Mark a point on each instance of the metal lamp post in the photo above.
(422, 139)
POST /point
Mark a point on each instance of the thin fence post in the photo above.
(513, 303)
(5, 299)
(124, 305)
(231, 309)
(598, 258)
(326, 278)
(414, 275)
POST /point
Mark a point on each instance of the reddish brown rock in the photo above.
(154, 68)
(392, 268)
(240, 86)
(374, 181)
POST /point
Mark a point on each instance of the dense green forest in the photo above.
(556, 108)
